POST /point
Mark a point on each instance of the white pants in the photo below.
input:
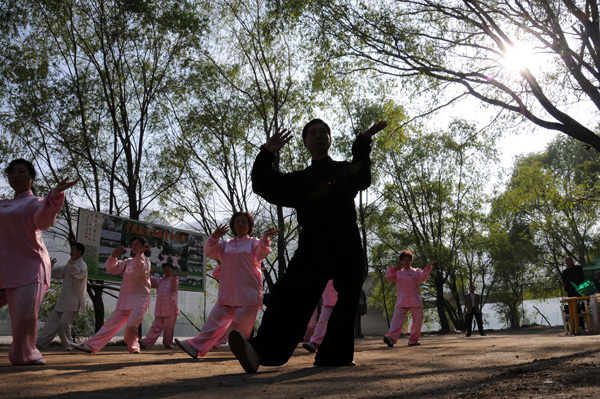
(57, 323)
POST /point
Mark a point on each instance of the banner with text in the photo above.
(101, 233)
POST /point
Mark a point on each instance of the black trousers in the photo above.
(296, 297)
(479, 319)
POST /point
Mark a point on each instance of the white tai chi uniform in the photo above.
(70, 302)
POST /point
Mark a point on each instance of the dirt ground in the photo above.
(534, 362)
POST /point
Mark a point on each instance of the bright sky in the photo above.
(513, 145)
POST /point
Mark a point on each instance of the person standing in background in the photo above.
(408, 298)
(70, 302)
(473, 308)
(329, 301)
(165, 310)
(573, 274)
(134, 298)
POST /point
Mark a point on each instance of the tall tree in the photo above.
(479, 48)
(432, 200)
(555, 195)
(85, 93)
(254, 81)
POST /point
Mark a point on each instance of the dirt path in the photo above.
(531, 363)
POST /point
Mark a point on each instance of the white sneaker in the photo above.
(244, 352)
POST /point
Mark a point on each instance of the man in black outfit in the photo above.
(329, 247)
(473, 308)
(573, 274)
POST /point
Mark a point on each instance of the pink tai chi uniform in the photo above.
(165, 311)
(330, 297)
(408, 299)
(132, 305)
(240, 289)
(25, 266)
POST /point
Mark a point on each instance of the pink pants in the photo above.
(23, 307)
(310, 329)
(220, 321)
(131, 319)
(57, 323)
(321, 327)
(398, 321)
(166, 325)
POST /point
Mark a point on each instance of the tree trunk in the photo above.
(439, 289)
(95, 294)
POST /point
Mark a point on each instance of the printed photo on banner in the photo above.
(102, 233)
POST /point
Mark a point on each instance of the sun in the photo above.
(518, 57)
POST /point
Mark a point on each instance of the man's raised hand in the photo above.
(377, 126)
(278, 140)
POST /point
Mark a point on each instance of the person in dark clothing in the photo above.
(573, 274)
(596, 280)
(329, 248)
(473, 308)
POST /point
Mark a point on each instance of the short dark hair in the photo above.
(314, 122)
(404, 253)
(28, 165)
(250, 222)
(141, 239)
(80, 247)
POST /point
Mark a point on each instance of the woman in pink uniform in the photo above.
(408, 298)
(330, 297)
(133, 302)
(24, 260)
(240, 283)
(165, 310)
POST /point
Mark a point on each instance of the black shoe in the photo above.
(388, 341)
(483, 334)
(142, 344)
(244, 352)
(468, 335)
(309, 346)
(187, 348)
(415, 344)
(349, 364)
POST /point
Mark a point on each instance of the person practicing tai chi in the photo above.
(165, 310)
(408, 298)
(24, 260)
(473, 308)
(329, 248)
(134, 298)
(240, 294)
(70, 302)
(329, 301)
